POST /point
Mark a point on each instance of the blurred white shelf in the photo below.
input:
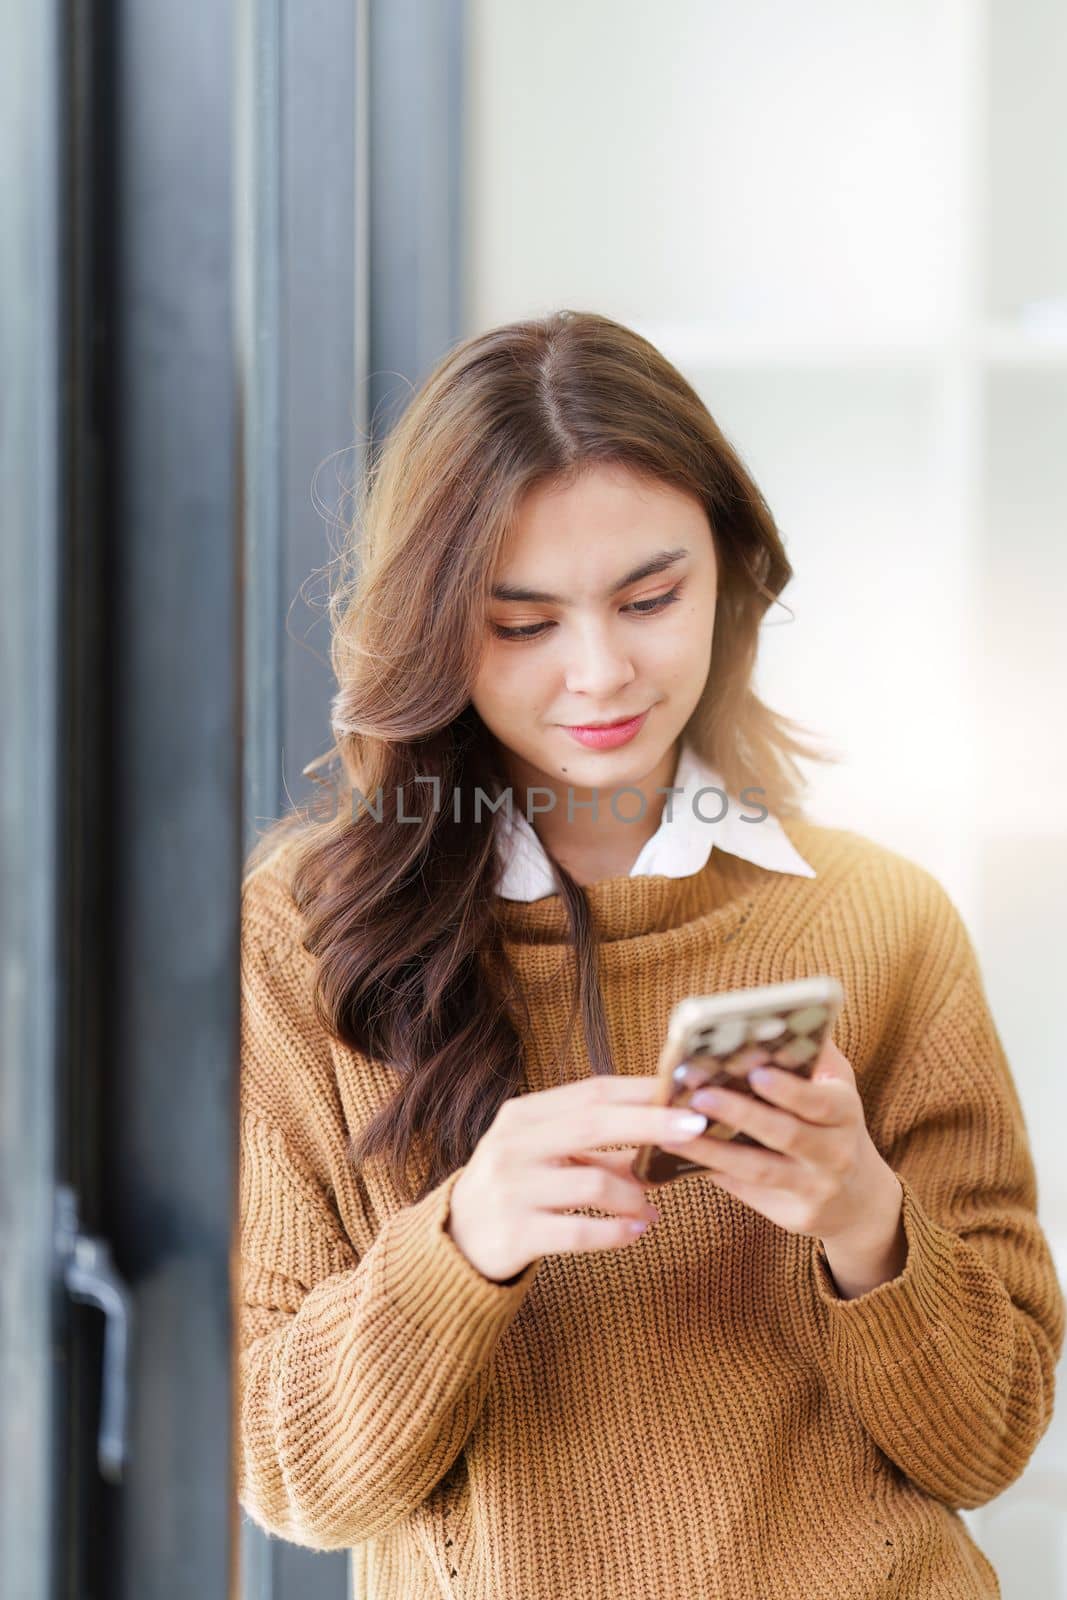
(698, 345)
(1007, 344)
(1007, 828)
(990, 828)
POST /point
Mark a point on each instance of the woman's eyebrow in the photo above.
(648, 569)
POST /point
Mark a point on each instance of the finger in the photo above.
(831, 1063)
(779, 1130)
(555, 1233)
(580, 1184)
(763, 1169)
(740, 1064)
(601, 1088)
(616, 1160)
(597, 1123)
(825, 1103)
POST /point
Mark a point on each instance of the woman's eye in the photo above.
(659, 602)
(520, 633)
(640, 608)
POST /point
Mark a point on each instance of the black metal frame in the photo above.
(349, 119)
(34, 478)
(222, 250)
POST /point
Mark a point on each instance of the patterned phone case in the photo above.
(707, 1033)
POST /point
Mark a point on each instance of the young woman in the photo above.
(473, 1349)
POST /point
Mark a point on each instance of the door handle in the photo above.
(90, 1276)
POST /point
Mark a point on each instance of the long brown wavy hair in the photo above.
(402, 918)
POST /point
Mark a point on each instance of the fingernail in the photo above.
(760, 1075)
(707, 1100)
(689, 1122)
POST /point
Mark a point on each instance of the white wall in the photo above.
(846, 224)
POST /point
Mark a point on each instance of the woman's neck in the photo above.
(593, 844)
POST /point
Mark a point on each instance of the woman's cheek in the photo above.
(678, 655)
(512, 688)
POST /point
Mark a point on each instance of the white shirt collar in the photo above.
(680, 846)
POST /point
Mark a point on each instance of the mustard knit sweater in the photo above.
(696, 1414)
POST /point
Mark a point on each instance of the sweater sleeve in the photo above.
(359, 1376)
(950, 1364)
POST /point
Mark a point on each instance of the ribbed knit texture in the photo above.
(696, 1414)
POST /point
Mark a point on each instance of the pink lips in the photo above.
(611, 737)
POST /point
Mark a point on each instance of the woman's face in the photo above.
(596, 643)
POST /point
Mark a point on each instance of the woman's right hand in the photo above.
(538, 1158)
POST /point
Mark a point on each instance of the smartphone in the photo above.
(706, 1038)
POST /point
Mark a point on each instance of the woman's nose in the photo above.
(597, 666)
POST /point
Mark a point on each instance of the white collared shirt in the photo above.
(680, 845)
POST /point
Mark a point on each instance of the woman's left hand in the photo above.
(819, 1172)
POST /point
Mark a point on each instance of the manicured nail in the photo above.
(707, 1100)
(689, 1122)
(760, 1075)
